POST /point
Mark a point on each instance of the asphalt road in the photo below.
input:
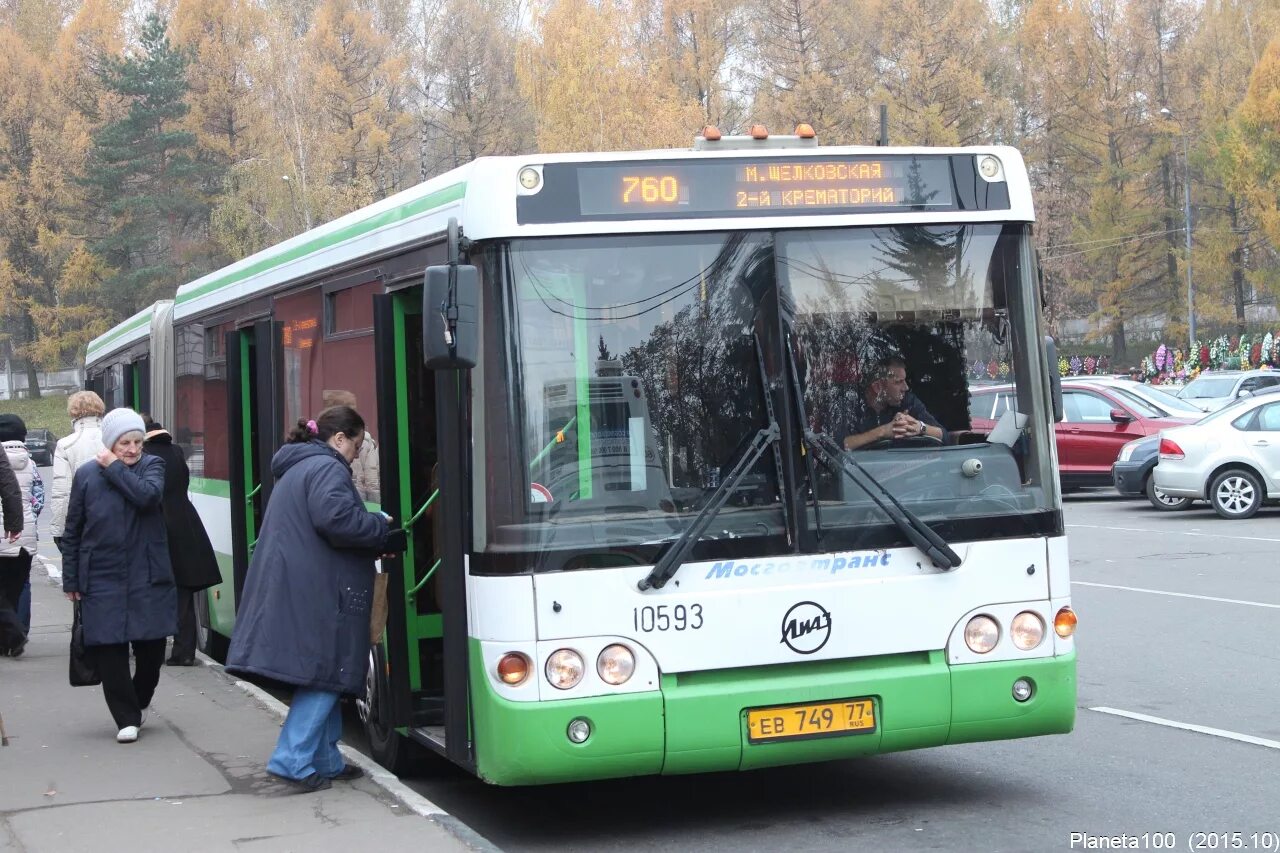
(1180, 614)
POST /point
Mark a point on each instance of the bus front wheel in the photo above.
(388, 747)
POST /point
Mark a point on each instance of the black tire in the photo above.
(1236, 493)
(388, 747)
(1163, 502)
(208, 640)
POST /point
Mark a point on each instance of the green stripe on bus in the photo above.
(108, 337)
(355, 229)
(210, 487)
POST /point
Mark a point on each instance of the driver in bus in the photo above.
(889, 411)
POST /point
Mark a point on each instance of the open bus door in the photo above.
(417, 687)
(137, 384)
(254, 433)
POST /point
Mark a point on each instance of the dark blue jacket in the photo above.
(303, 617)
(114, 553)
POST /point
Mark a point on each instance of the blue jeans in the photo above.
(309, 738)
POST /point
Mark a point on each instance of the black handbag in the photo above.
(81, 671)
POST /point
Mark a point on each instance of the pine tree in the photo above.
(143, 179)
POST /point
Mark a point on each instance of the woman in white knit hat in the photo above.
(115, 562)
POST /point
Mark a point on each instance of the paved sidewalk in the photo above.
(195, 780)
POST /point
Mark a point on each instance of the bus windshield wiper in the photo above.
(920, 534)
(917, 532)
(666, 567)
(802, 429)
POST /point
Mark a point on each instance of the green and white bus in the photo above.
(609, 394)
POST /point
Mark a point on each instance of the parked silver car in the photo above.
(1171, 404)
(1213, 390)
(1231, 458)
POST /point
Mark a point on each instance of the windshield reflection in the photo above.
(641, 367)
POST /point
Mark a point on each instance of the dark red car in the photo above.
(1097, 421)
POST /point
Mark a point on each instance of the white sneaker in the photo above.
(127, 735)
(144, 718)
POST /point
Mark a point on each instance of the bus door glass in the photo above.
(411, 495)
(244, 434)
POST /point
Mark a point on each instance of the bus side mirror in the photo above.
(450, 310)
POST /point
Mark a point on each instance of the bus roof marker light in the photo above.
(990, 169)
(530, 178)
(805, 131)
(711, 133)
(759, 131)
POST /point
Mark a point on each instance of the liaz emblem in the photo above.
(806, 627)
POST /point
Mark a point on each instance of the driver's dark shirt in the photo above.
(866, 418)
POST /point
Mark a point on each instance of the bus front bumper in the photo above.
(697, 722)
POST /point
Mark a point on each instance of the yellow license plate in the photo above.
(826, 719)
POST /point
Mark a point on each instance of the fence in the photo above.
(13, 381)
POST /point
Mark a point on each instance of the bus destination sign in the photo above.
(722, 187)
(733, 187)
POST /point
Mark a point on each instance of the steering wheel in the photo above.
(909, 441)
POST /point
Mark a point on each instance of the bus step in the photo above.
(431, 736)
(428, 710)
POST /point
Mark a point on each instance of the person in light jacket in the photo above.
(304, 614)
(115, 555)
(85, 410)
(366, 470)
(194, 565)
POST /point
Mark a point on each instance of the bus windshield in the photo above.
(639, 369)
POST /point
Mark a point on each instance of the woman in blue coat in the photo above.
(115, 562)
(304, 613)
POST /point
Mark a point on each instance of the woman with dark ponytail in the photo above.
(304, 613)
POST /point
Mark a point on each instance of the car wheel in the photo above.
(1236, 493)
(1163, 502)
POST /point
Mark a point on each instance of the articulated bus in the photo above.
(610, 395)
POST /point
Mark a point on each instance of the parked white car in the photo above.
(1213, 390)
(1231, 458)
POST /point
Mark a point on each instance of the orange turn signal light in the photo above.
(711, 133)
(759, 131)
(513, 668)
(805, 131)
(1064, 624)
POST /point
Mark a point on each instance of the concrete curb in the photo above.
(374, 771)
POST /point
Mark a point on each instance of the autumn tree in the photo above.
(472, 108)
(1250, 158)
(48, 279)
(589, 90)
(145, 184)
(812, 62)
(934, 59)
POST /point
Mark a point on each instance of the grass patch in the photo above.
(49, 412)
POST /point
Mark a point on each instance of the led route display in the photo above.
(709, 187)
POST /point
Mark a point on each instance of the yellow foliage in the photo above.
(589, 91)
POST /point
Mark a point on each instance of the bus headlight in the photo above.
(564, 668)
(616, 664)
(1027, 630)
(981, 634)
